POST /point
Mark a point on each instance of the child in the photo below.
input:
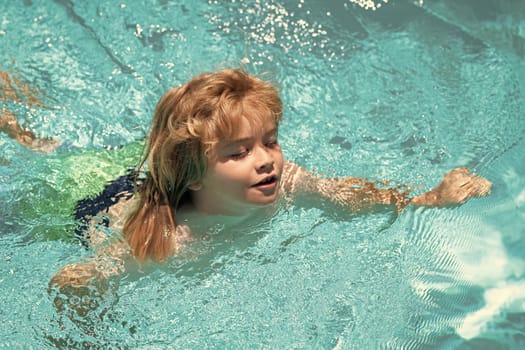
(213, 150)
(213, 157)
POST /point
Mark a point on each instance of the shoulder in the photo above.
(291, 170)
(295, 178)
(118, 212)
(93, 229)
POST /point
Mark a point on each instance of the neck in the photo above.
(216, 208)
(195, 212)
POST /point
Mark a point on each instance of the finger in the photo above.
(483, 186)
(470, 190)
(479, 187)
(461, 170)
(465, 185)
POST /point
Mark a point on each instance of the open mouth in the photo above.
(270, 180)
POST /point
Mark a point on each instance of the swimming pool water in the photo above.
(405, 92)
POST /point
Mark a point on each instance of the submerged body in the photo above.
(293, 184)
(213, 157)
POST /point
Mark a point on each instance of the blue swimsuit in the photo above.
(86, 209)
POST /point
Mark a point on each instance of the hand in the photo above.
(76, 275)
(73, 287)
(81, 287)
(457, 186)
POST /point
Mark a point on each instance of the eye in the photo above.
(271, 143)
(239, 153)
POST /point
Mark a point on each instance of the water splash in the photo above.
(369, 4)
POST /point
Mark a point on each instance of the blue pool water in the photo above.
(405, 92)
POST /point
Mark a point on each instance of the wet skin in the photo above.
(243, 173)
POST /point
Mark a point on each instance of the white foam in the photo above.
(507, 297)
(487, 264)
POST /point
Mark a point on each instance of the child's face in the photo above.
(242, 173)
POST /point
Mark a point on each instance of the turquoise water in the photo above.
(405, 93)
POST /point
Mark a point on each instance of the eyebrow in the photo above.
(245, 139)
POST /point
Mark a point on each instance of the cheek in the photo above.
(279, 160)
(229, 173)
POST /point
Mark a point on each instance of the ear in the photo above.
(196, 186)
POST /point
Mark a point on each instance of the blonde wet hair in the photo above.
(188, 121)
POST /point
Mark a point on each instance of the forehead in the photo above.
(251, 128)
(243, 119)
(246, 131)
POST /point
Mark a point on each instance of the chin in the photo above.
(266, 201)
(262, 200)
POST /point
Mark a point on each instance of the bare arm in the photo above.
(457, 186)
(361, 195)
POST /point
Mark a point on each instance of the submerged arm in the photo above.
(362, 195)
(13, 90)
(90, 278)
(79, 287)
(9, 125)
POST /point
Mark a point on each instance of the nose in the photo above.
(264, 161)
